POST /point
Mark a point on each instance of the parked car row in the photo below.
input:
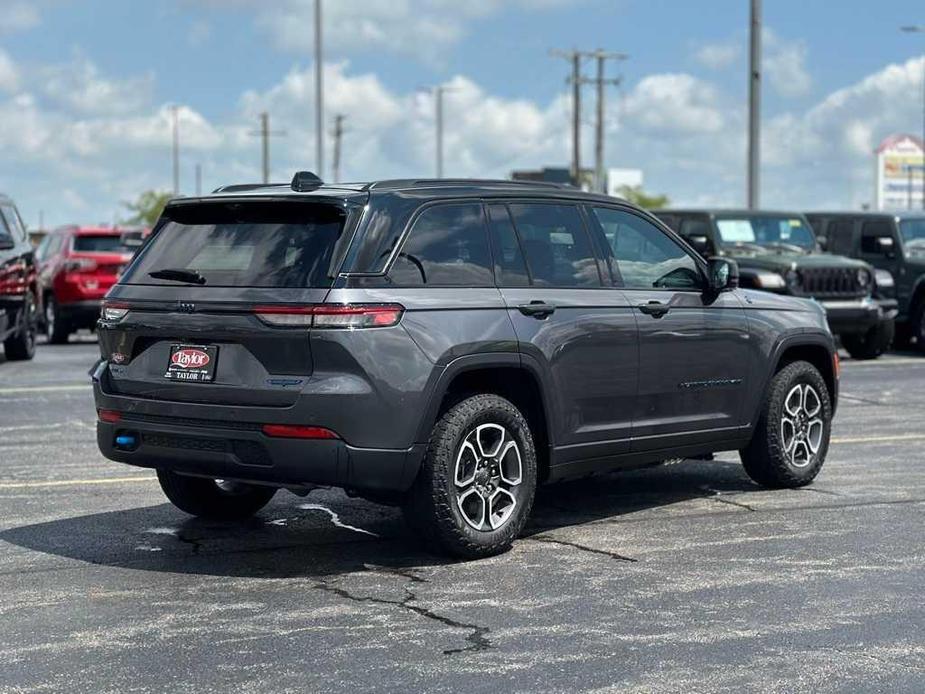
(867, 269)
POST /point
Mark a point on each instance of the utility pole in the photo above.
(754, 107)
(600, 178)
(920, 29)
(319, 94)
(338, 134)
(174, 110)
(265, 133)
(198, 180)
(575, 58)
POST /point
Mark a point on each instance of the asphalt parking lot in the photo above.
(684, 577)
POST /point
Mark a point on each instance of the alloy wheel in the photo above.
(801, 426)
(488, 472)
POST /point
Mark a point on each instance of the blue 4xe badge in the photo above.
(285, 382)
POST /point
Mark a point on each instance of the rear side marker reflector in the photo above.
(113, 311)
(109, 416)
(289, 431)
(350, 316)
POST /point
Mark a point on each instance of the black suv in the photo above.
(894, 243)
(446, 346)
(777, 252)
(19, 292)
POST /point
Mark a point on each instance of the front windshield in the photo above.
(779, 233)
(913, 232)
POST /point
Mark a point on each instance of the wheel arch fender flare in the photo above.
(813, 340)
(442, 379)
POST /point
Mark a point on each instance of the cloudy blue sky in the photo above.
(85, 87)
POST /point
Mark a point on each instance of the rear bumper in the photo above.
(856, 316)
(185, 442)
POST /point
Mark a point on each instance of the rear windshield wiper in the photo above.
(178, 275)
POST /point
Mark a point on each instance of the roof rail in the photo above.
(243, 187)
(485, 183)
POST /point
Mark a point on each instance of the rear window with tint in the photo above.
(246, 245)
(102, 243)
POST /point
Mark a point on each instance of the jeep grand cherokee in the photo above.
(445, 346)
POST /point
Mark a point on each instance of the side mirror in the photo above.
(699, 242)
(723, 274)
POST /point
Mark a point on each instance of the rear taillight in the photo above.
(290, 431)
(80, 265)
(351, 316)
(109, 416)
(113, 312)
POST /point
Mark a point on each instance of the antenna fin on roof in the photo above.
(305, 180)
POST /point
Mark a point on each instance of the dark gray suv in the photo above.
(445, 346)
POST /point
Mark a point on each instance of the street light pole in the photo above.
(920, 29)
(174, 110)
(754, 108)
(319, 94)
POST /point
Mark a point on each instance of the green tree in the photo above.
(148, 207)
(637, 196)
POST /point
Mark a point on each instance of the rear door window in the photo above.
(556, 245)
(840, 237)
(245, 245)
(447, 246)
(510, 267)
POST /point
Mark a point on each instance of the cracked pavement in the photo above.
(684, 577)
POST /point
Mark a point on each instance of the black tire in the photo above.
(767, 458)
(57, 330)
(214, 499)
(871, 344)
(20, 346)
(431, 507)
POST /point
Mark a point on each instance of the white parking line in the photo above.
(43, 389)
(879, 439)
(902, 361)
(74, 483)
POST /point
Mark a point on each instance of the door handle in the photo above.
(537, 309)
(654, 308)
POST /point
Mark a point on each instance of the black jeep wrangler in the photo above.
(777, 252)
(894, 243)
(19, 292)
(446, 346)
